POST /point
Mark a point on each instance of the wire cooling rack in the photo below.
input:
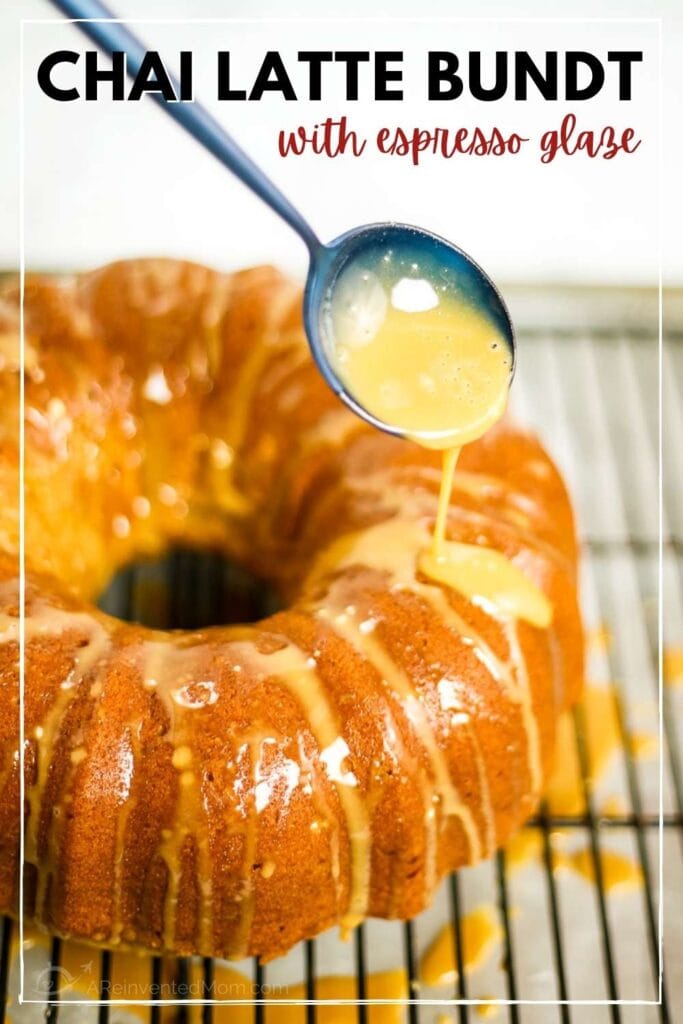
(567, 949)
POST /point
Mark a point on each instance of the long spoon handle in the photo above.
(96, 21)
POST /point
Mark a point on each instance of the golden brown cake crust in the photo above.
(234, 790)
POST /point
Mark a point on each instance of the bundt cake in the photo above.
(231, 791)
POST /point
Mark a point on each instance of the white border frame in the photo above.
(659, 246)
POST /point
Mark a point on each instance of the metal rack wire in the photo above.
(568, 951)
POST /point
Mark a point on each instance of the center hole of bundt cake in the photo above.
(188, 590)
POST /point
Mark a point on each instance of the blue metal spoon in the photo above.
(362, 245)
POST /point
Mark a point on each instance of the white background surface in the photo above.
(107, 180)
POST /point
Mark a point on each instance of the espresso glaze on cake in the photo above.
(234, 790)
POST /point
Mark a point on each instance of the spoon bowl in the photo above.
(420, 258)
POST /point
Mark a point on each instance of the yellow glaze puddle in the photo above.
(384, 985)
(564, 790)
(481, 934)
(613, 807)
(524, 847)
(644, 746)
(599, 638)
(487, 1010)
(673, 666)
(618, 871)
